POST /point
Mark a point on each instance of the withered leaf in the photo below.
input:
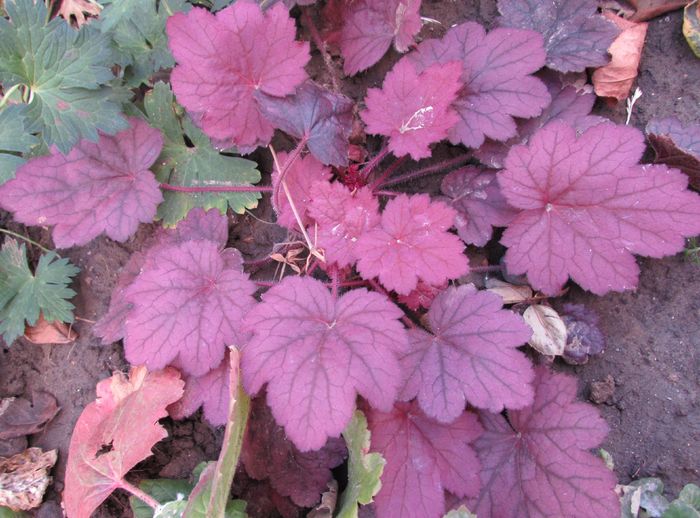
(24, 478)
(548, 330)
(44, 332)
(19, 416)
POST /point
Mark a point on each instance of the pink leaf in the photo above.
(412, 244)
(209, 391)
(268, 454)
(114, 433)
(224, 59)
(98, 187)
(422, 296)
(469, 356)
(316, 353)
(496, 77)
(187, 305)
(476, 196)
(413, 108)
(536, 463)
(342, 217)
(423, 459)
(587, 206)
(302, 174)
(370, 27)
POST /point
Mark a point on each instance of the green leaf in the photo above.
(679, 509)
(188, 159)
(24, 295)
(6, 512)
(460, 512)
(690, 494)
(163, 490)
(172, 509)
(14, 138)
(67, 72)
(199, 498)
(364, 469)
(116, 11)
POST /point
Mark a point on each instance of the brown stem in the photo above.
(216, 188)
(432, 169)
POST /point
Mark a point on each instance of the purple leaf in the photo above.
(536, 463)
(469, 356)
(476, 196)
(316, 353)
(575, 35)
(223, 59)
(98, 187)
(583, 336)
(423, 459)
(370, 27)
(496, 70)
(677, 146)
(587, 206)
(209, 391)
(321, 117)
(413, 109)
(411, 244)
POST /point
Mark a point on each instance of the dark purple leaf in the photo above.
(584, 338)
(677, 146)
(19, 416)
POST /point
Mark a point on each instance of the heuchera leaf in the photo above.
(535, 463)
(496, 70)
(217, 86)
(316, 353)
(300, 176)
(475, 195)
(587, 206)
(370, 27)
(122, 420)
(469, 355)
(677, 145)
(321, 118)
(413, 107)
(422, 296)
(411, 244)
(575, 36)
(268, 454)
(423, 459)
(209, 391)
(342, 216)
(97, 187)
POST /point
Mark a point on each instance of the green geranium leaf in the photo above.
(24, 295)
(163, 490)
(188, 159)
(14, 138)
(364, 469)
(679, 509)
(690, 494)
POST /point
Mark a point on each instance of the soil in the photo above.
(646, 384)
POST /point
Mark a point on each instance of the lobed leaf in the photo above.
(677, 145)
(211, 391)
(13, 139)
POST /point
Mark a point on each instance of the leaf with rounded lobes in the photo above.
(538, 458)
(268, 454)
(371, 25)
(317, 353)
(677, 145)
(497, 84)
(224, 58)
(342, 217)
(209, 391)
(412, 243)
(587, 206)
(423, 459)
(575, 35)
(321, 118)
(97, 187)
(413, 108)
(469, 356)
(13, 138)
(123, 420)
(476, 196)
(186, 306)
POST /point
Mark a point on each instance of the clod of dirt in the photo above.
(602, 391)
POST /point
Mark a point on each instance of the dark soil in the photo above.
(646, 383)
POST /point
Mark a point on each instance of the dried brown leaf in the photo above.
(24, 478)
(548, 330)
(510, 293)
(648, 9)
(78, 12)
(19, 416)
(691, 26)
(44, 332)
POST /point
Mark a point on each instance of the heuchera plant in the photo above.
(380, 318)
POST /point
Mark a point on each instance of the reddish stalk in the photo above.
(140, 494)
(286, 166)
(380, 289)
(374, 162)
(216, 188)
(310, 26)
(334, 281)
(387, 173)
(343, 284)
(425, 171)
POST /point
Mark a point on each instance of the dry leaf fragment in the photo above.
(548, 330)
(24, 478)
(19, 417)
(44, 332)
(691, 26)
(616, 78)
(648, 9)
(78, 11)
(510, 293)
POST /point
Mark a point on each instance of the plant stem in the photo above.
(216, 188)
(486, 269)
(431, 169)
(8, 93)
(140, 494)
(387, 173)
(287, 165)
(334, 281)
(25, 238)
(375, 161)
(343, 284)
(308, 22)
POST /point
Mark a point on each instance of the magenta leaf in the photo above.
(535, 463)
(97, 187)
(469, 355)
(575, 35)
(316, 353)
(300, 176)
(320, 117)
(423, 459)
(413, 109)
(412, 243)
(223, 59)
(370, 27)
(342, 216)
(677, 145)
(496, 70)
(475, 195)
(209, 391)
(587, 206)
(422, 296)
(187, 306)
(268, 454)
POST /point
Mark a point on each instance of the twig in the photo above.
(25, 238)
